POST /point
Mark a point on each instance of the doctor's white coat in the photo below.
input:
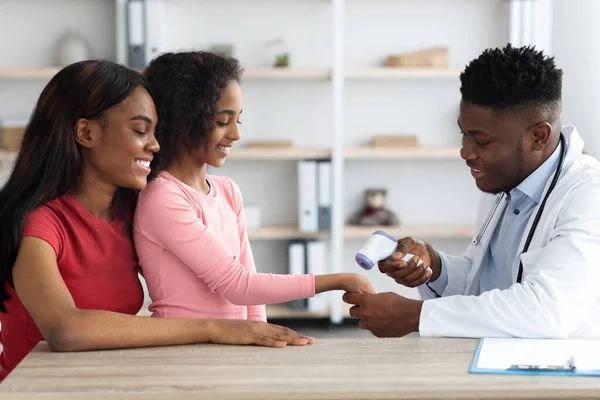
(559, 295)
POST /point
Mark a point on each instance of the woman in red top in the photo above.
(68, 269)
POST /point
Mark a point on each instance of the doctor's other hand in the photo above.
(385, 314)
(409, 273)
(352, 283)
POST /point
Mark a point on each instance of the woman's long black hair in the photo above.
(49, 163)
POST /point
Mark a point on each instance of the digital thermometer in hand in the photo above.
(380, 246)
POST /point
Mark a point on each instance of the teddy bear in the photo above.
(374, 212)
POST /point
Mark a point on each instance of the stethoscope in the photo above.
(536, 220)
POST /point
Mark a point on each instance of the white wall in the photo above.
(419, 192)
(249, 24)
(30, 29)
(29, 33)
(576, 45)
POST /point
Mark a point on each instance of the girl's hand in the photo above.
(356, 283)
(351, 283)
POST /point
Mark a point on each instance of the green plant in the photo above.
(282, 60)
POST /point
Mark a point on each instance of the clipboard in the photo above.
(555, 357)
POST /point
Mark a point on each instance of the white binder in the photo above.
(324, 195)
(316, 256)
(146, 31)
(297, 266)
(136, 35)
(156, 29)
(308, 216)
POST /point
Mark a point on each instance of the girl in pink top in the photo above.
(189, 228)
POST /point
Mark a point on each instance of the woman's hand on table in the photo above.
(256, 332)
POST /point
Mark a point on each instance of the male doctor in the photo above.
(533, 266)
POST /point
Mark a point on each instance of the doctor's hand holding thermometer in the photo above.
(409, 262)
(425, 265)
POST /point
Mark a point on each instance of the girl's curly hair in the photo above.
(186, 87)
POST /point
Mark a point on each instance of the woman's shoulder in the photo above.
(53, 210)
(48, 220)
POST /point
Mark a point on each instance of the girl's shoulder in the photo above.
(226, 188)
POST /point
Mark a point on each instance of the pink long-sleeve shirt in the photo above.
(195, 256)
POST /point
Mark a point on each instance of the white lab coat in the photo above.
(559, 295)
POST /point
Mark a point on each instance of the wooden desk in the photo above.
(409, 368)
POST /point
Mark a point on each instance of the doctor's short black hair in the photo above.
(186, 87)
(511, 79)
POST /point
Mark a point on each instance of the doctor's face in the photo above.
(495, 147)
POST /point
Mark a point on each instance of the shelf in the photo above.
(278, 73)
(352, 153)
(363, 232)
(282, 311)
(419, 231)
(274, 311)
(28, 73)
(283, 233)
(287, 153)
(250, 73)
(402, 73)
(404, 153)
(249, 154)
(7, 155)
(286, 73)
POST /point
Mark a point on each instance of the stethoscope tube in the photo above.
(538, 214)
(541, 209)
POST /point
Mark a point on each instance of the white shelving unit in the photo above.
(332, 99)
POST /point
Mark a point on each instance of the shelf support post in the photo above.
(337, 155)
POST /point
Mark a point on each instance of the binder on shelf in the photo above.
(156, 28)
(146, 30)
(324, 195)
(308, 218)
(121, 41)
(297, 266)
(316, 256)
(136, 41)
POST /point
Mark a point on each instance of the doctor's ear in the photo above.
(542, 133)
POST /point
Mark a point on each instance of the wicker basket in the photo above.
(433, 57)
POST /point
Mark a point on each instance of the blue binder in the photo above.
(568, 369)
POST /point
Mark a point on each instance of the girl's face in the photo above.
(119, 148)
(227, 131)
